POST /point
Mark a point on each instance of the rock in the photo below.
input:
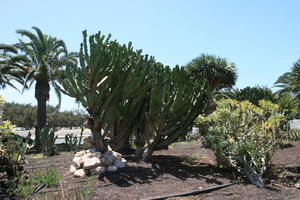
(98, 170)
(112, 168)
(124, 160)
(109, 148)
(91, 163)
(108, 158)
(79, 173)
(97, 155)
(77, 162)
(119, 164)
(117, 155)
(72, 169)
(91, 150)
(297, 185)
(84, 157)
(79, 153)
(88, 155)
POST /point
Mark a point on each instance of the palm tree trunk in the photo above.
(42, 89)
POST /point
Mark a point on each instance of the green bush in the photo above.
(244, 136)
(45, 141)
(12, 150)
(23, 185)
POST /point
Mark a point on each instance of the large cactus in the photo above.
(175, 102)
(127, 109)
(126, 93)
(98, 82)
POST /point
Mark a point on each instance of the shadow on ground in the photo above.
(165, 167)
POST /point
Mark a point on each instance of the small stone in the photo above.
(124, 160)
(97, 154)
(91, 150)
(112, 168)
(79, 153)
(79, 173)
(119, 164)
(88, 155)
(297, 185)
(72, 169)
(91, 163)
(108, 158)
(109, 148)
(77, 162)
(98, 170)
(117, 155)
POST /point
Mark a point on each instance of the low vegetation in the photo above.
(244, 136)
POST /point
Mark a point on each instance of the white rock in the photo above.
(97, 154)
(91, 163)
(117, 155)
(89, 155)
(79, 153)
(79, 173)
(124, 160)
(91, 150)
(109, 148)
(72, 169)
(112, 168)
(98, 170)
(119, 164)
(77, 162)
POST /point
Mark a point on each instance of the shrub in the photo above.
(244, 136)
(45, 141)
(71, 141)
(12, 150)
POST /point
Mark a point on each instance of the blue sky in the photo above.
(261, 37)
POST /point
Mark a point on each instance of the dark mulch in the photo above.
(183, 168)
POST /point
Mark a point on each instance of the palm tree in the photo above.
(47, 58)
(216, 71)
(289, 82)
(11, 66)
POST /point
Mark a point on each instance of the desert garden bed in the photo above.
(182, 168)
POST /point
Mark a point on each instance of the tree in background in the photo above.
(47, 57)
(288, 105)
(252, 94)
(289, 82)
(23, 115)
(11, 66)
(288, 95)
(218, 72)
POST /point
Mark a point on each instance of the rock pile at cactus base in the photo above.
(90, 162)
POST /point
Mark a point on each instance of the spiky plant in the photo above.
(215, 70)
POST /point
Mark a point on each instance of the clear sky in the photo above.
(261, 37)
